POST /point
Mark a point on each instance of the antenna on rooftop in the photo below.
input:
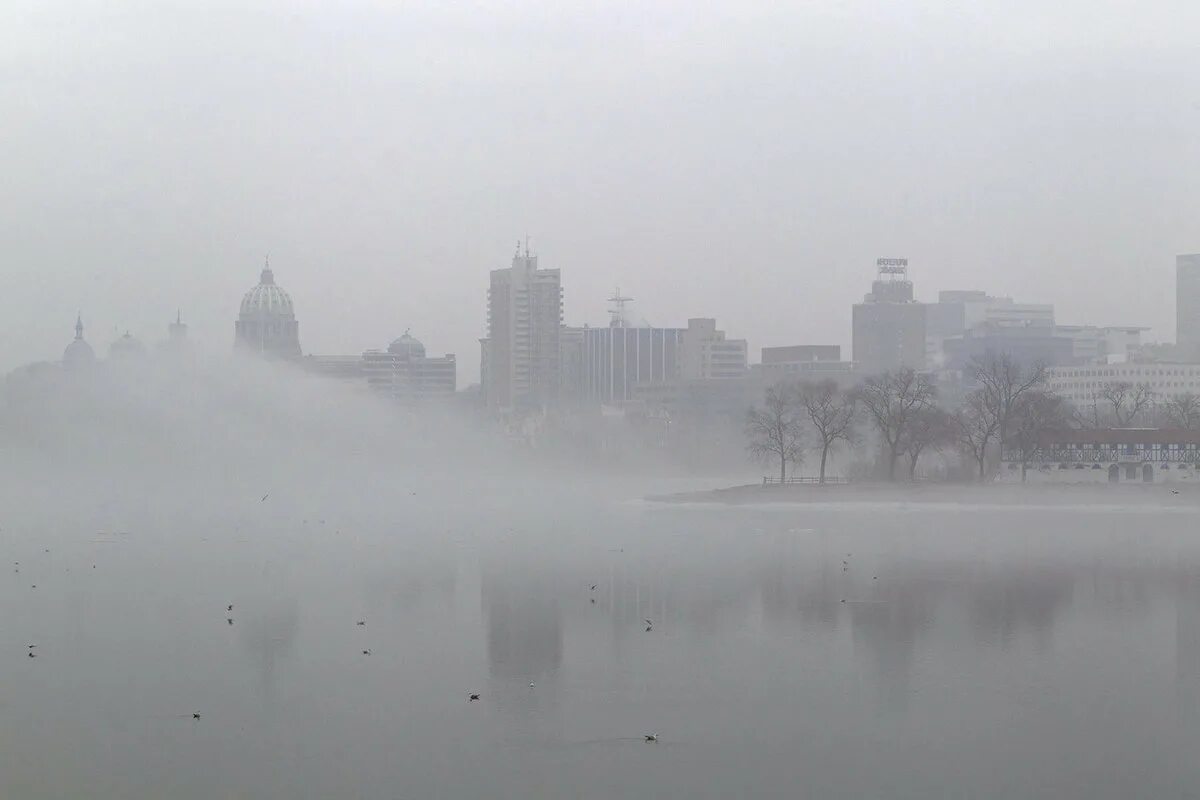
(617, 312)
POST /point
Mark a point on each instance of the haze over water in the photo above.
(998, 650)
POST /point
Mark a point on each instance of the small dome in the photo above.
(407, 346)
(126, 346)
(78, 353)
(267, 299)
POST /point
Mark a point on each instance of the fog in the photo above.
(242, 572)
(717, 159)
(924, 632)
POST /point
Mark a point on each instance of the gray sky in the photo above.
(739, 160)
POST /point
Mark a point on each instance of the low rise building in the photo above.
(1107, 455)
(1026, 345)
(1082, 384)
(705, 354)
(1101, 344)
(803, 362)
(404, 372)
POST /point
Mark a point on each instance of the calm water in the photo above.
(979, 651)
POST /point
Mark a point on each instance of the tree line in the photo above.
(1007, 407)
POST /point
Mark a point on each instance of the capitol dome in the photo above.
(78, 353)
(407, 346)
(267, 321)
(267, 299)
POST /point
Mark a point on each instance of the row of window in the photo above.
(1134, 373)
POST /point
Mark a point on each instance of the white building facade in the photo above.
(1083, 384)
(1110, 455)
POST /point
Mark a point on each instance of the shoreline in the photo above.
(755, 494)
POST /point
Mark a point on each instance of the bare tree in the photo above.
(831, 412)
(929, 429)
(1004, 381)
(1127, 400)
(1183, 411)
(1086, 416)
(1035, 414)
(891, 400)
(976, 425)
(777, 430)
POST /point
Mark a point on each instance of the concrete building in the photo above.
(1093, 344)
(958, 312)
(521, 355)
(801, 353)
(1187, 304)
(889, 325)
(615, 359)
(804, 362)
(570, 365)
(1108, 455)
(1081, 384)
(267, 321)
(404, 372)
(1026, 346)
(705, 354)
(347, 368)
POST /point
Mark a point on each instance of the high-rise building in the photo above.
(521, 357)
(888, 325)
(267, 322)
(1187, 304)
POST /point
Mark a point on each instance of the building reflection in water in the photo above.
(270, 639)
(524, 623)
(896, 604)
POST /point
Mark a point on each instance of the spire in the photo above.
(178, 317)
(79, 326)
(267, 276)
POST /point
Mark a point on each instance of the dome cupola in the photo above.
(267, 321)
(407, 347)
(78, 353)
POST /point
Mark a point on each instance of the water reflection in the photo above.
(268, 638)
(842, 653)
(524, 624)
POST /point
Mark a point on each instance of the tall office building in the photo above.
(521, 357)
(889, 326)
(1187, 304)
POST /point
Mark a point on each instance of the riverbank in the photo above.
(757, 493)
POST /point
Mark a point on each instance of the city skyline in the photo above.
(469, 373)
(732, 165)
